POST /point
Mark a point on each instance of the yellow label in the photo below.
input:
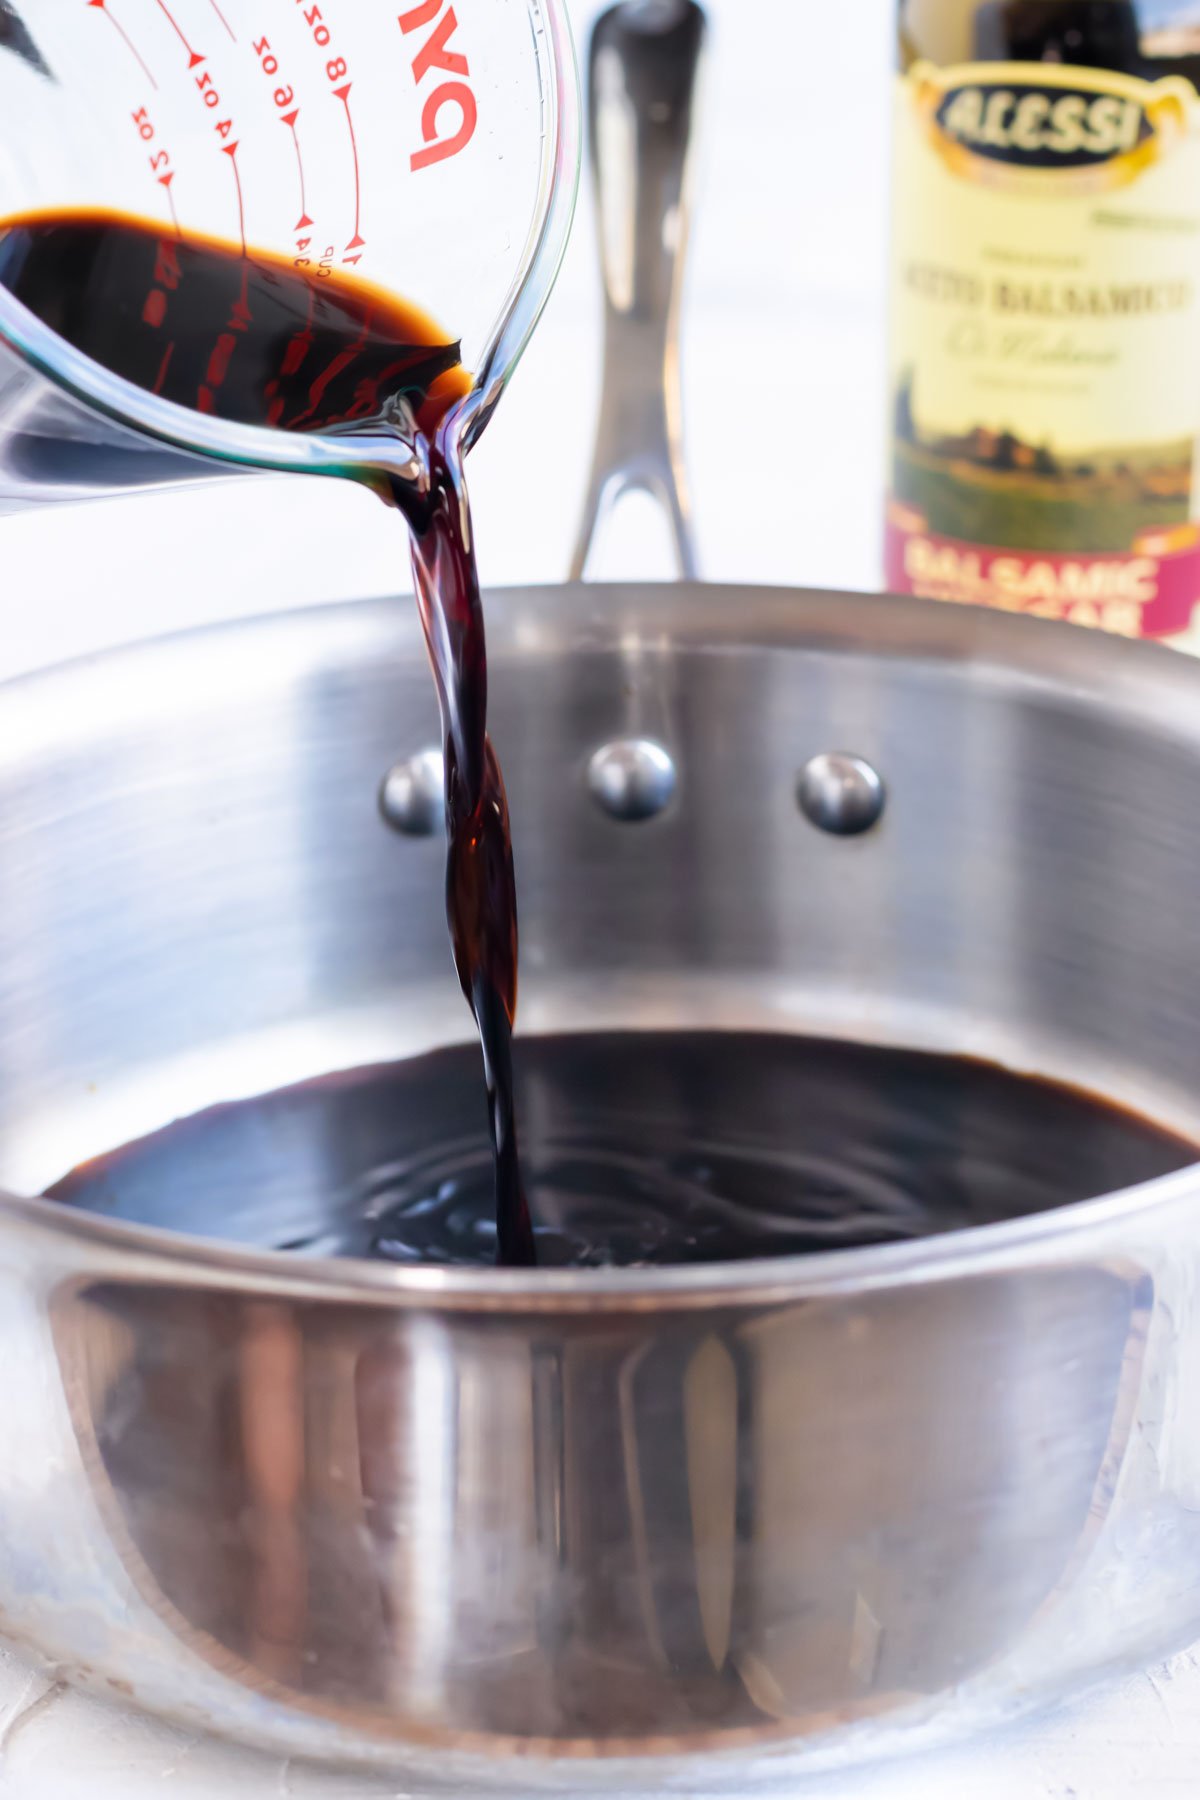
(1045, 370)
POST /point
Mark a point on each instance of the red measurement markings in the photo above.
(357, 242)
(211, 97)
(223, 350)
(323, 266)
(304, 219)
(435, 54)
(167, 180)
(337, 71)
(163, 366)
(223, 19)
(159, 159)
(194, 56)
(102, 6)
(284, 98)
(343, 360)
(299, 345)
(158, 303)
(231, 151)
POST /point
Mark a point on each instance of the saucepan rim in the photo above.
(117, 1249)
(1157, 684)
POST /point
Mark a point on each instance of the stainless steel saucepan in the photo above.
(699, 1528)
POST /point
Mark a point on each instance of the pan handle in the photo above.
(643, 68)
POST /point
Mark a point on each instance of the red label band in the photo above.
(1149, 592)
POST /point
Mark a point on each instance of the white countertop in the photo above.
(795, 133)
(1136, 1737)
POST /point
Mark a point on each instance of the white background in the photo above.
(783, 361)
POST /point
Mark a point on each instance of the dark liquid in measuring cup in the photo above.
(252, 338)
(256, 339)
(639, 1148)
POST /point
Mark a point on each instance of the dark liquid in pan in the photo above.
(264, 340)
(638, 1148)
(641, 1149)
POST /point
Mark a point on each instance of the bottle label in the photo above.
(1045, 362)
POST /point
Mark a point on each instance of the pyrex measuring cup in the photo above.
(432, 150)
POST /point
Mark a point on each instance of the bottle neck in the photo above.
(1094, 34)
(1100, 34)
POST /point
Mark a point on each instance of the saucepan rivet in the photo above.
(410, 795)
(840, 793)
(631, 778)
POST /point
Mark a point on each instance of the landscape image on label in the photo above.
(991, 485)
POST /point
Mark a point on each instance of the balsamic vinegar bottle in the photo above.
(1045, 291)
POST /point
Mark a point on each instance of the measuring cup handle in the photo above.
(643, 68)
(53, 447)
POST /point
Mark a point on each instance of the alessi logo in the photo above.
(1042, 130)
(1025, 124)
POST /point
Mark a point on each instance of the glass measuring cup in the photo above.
(434, 157)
